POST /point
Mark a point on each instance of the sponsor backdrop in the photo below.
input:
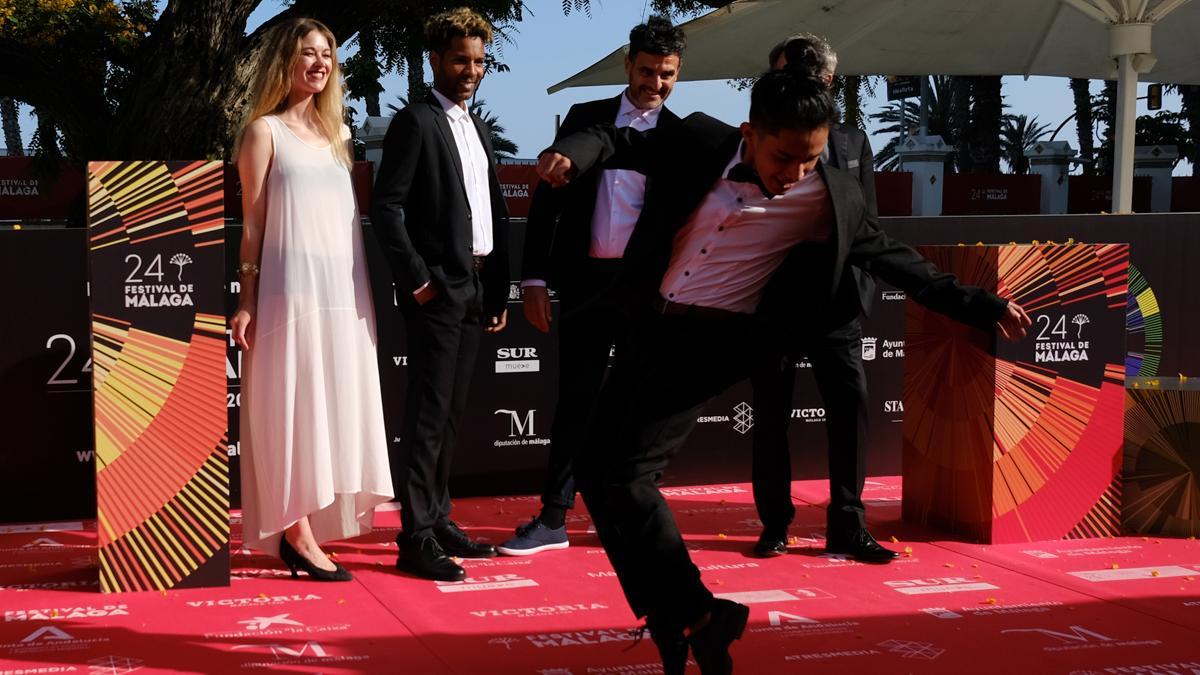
(505, 439)
(155, 234)
(1017, 442)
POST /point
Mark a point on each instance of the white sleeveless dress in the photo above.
(312, 435)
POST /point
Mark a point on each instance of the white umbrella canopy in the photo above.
(1097, 39)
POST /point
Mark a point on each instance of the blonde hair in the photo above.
(273, 82)
(463, 22)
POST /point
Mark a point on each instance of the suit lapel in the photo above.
(443, 126)
(607, 113)
(485, 137)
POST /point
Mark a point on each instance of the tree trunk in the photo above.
(851, 89)
(1085, 125)
(11, 121)
(369, 49)
(46, 136)
(985, 121)
(1191, 110)
(414, 66)
(1104, 161)
(960, 121)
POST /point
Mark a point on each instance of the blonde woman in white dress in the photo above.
(314, 449)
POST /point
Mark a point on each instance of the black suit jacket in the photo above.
(421, 214)
(689, 158)
(850, 151)
(558, 232)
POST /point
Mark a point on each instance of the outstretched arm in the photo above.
(900, 265)
(605, 144)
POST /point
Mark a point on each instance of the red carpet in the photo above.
(1083, 607)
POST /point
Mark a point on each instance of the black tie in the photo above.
(744, 173)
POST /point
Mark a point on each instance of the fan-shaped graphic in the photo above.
(1162, 462)
(1144, 328)
(1019, 442)
(159, 362)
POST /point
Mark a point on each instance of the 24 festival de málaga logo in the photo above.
(163, 291)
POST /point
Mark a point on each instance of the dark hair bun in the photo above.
(802, 58)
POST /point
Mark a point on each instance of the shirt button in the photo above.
(739, 200)
(721, 228)
(703, 251)
(687, 273)
(670, 295)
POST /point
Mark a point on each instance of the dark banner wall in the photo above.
(46, 469)
(47, 464)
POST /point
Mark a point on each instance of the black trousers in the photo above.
(646, 410)
(443, 341)
(591, 322)
(836, 359)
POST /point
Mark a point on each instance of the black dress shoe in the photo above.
(770, 545)
(457, 543)
(710, 644)
(424, 557)
(672, 648)
(292, 558)
(860, 545)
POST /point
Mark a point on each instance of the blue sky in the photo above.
(549, 47)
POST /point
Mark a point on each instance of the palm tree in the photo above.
(1191, 111)
(987, 113)
(504, 147)
(45, 138)
(850, 91)
(1085, 125)
(1104, 110)
(363, 72)
(900, 116)
(960, 114)
(11, 121)
(1017, 134)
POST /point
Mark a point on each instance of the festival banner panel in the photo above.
(155, 240)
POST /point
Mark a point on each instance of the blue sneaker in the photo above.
(534, 537)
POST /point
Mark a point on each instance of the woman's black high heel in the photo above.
(292, 558)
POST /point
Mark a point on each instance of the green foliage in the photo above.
(1017, 134)
(1165, 128)
(904, 115)
(504, 147)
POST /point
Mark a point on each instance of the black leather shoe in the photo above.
(292, 558)
(770, 545)
(710, 644)
(457, 543)
(424, 557)
(672, 647)
(860, 545)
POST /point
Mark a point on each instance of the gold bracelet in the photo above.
(248, 269)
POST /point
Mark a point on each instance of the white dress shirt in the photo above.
(736, 240)
(621, 192)
(475, 173)
(619, 195)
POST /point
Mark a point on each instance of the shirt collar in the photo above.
(453, 110)
(735, 160)
(628, 109)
